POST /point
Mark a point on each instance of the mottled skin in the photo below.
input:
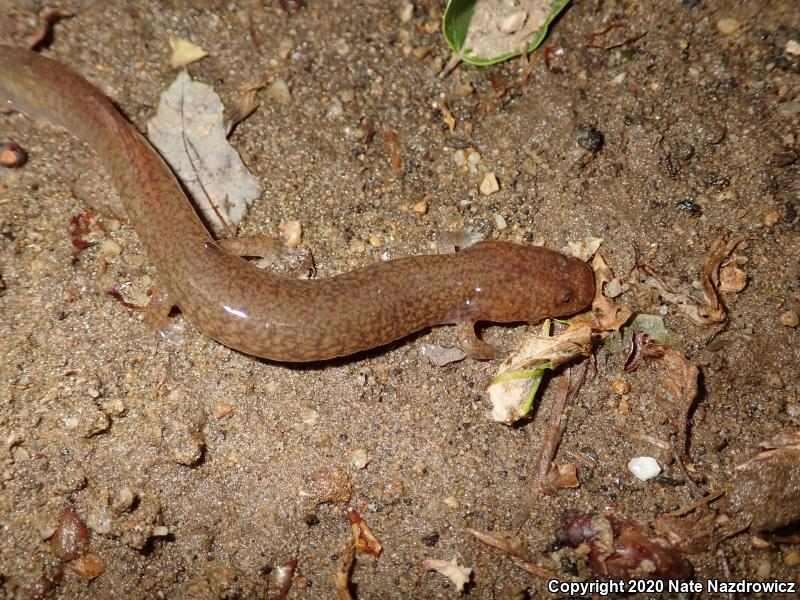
(276, 317)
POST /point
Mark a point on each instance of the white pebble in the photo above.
(644, 467)
(513, 22)
(359, 458)
(406, 12)
(279, 90)
(489, 184)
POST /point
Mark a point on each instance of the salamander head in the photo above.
(570, 289)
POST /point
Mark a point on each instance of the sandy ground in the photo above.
(198, 469)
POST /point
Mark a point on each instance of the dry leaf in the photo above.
(622, 549)
(701, 306)
(451, 569)
(563, 476)
(512, 389)
(184, 52)
(188, 131)
(680, 379)
(341, 579)
(365, 541)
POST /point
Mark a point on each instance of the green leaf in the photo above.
(456, 22)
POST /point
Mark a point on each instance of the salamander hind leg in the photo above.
(475, 347)
(157, 318)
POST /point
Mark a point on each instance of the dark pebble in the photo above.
(13, 155)
(431, 539)
(589, 138)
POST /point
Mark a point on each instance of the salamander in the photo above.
(277, 317)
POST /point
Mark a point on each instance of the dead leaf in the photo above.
(188, 131)
(618, 548)
(701, 306)
(184, 52)
(680, 380)
(341, 579)
(451, 569)
(513, 388)
(364, 540)
(245, 106)
(563, 476)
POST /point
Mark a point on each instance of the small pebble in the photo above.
(292, 232)
(451, 502)
(89, 566)
(500, 223)
(222, 410)
(792, 559)
(310, 417)
(589, 138)
(420, 208)
(789, 318)
(110, 248)
(463, 89)
(406, 12)
(792, 47)
(513, 22)
(71, 536)
(728, 26)
(279, 90)
(375, 240)
(115, 407)
(489, 184)
(335, 109)
(771, 218)
(763, 570)
(359, 458)
(644, 467)
(613, 288)
(13, 155)
(160, 531)
(620, 387)
(732, 279)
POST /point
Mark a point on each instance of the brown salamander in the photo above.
(280, 318)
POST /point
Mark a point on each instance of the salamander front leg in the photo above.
(475, 347)
(271, 249)
(156, 316)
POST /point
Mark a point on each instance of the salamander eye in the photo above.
(566, 296)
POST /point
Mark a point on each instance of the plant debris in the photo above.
(484, 32)
(184, 52)
(189, 133)
(621, 549)
(341, 579)
(515, 550)
(363, 538)
(459, 575)
(513, 388)
(701, 306)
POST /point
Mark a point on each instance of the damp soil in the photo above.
(199, 470)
